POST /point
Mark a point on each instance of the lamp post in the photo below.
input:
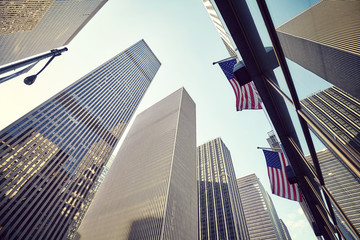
(30, 80)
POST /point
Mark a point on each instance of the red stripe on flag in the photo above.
(252, 97)
(236, 87)
(286, 182)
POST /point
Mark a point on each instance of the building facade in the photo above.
(261, 218)
(150, 190)
(339, 114)
(285, 230)
(344, 187)
(33, 27)
(23, 15)
(52, 156)
(216, 19)
(221, 214)
(325, 40)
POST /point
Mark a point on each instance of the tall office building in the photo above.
(285, 230)
(150, 190)
(261, 218)
(38, 26)
(344, 187)
(325, 40)
(22, 15)
(216, 19)
(339, 114)
(273, 142)
(221, 214)
(52, 156)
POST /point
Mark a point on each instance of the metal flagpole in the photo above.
(271, 149)
(226, 59)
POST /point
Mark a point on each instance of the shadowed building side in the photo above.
(325, 40)
(221, 214)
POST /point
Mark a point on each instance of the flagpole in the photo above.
(271, 149)
(226, 59)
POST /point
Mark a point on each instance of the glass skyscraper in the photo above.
(150, 190)
(261, 218)
(38, 26)
(285, 230)
(52, 156)
(221, 214)
(344, 187)
(338, 114)
(22, 15)
(216, 19)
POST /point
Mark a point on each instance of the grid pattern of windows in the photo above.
(325, 40)
(219, 27)
(22, 15)
(285, 229)
(261, 218)
(59, 25)
(343, 186)
(52, 156)
(220, 211)
(150, 190)
(339, 114)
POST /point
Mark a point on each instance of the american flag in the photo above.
(280, 185)
(247, 97)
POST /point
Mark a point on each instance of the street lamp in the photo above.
(30, 80)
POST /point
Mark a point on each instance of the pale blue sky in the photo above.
(182, 36)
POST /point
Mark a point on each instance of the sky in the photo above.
(184, 39)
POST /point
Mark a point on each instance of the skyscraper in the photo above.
(338, 114)
(216, 19)
(325, 40)
(52, 156)
(221, 213)
(285, 229)
(344, 187)
(38, 26)
(150, 190)
(273, 142)
(261, 218)
(22, 15)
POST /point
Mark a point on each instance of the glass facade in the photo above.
(339, 114)
(216, 19)
(23, 15)
(56, 25)
(261, 218)
(150, 190)
(285, 229)
(344, 187)
(52, 156)
(221, 214)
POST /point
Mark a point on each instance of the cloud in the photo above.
(296, 223)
